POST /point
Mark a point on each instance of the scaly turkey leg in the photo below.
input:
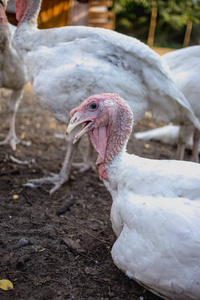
(58, 179)
(195, 150)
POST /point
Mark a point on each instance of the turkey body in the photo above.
(156, 216)
(168, 134)
(68, 64)
(13, 74)
(185, 65)
(158, 243)
(155, 212)
(12, 69)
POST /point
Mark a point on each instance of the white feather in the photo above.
(184, 65)
(68, 64)
(166, 134)
(156, 216)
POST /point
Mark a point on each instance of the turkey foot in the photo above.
(59, 179)
(13, 140)
(56, 179)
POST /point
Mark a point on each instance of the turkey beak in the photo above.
(76, 121)
(71, 125)
(4, 2)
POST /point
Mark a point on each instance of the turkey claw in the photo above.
(56, 179)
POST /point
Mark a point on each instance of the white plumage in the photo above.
(185, 65)
(168, 134)
(159, 244)
(156, 203)
(68, 64)
(13, 73)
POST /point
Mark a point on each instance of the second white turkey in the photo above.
(68, 64)
(184, 65)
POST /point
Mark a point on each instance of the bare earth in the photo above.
(69, 234)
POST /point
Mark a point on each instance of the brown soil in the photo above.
(69, 233)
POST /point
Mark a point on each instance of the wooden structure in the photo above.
(152, 26)
(95, 13)
(187, 34)
(54, 13)
(57, 13)
(100, 14)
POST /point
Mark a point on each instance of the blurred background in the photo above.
(167, 23)
(159, 23)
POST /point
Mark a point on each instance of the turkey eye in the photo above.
(93, 106)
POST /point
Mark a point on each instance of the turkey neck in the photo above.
(118, 132)
(31, 13)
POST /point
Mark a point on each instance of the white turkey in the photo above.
(155, 212)
(13, 74)
(68, 64)
(168, 134)
(185, 67)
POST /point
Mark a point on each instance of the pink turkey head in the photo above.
(108, 121)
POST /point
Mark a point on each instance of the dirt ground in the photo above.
(69, 234)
